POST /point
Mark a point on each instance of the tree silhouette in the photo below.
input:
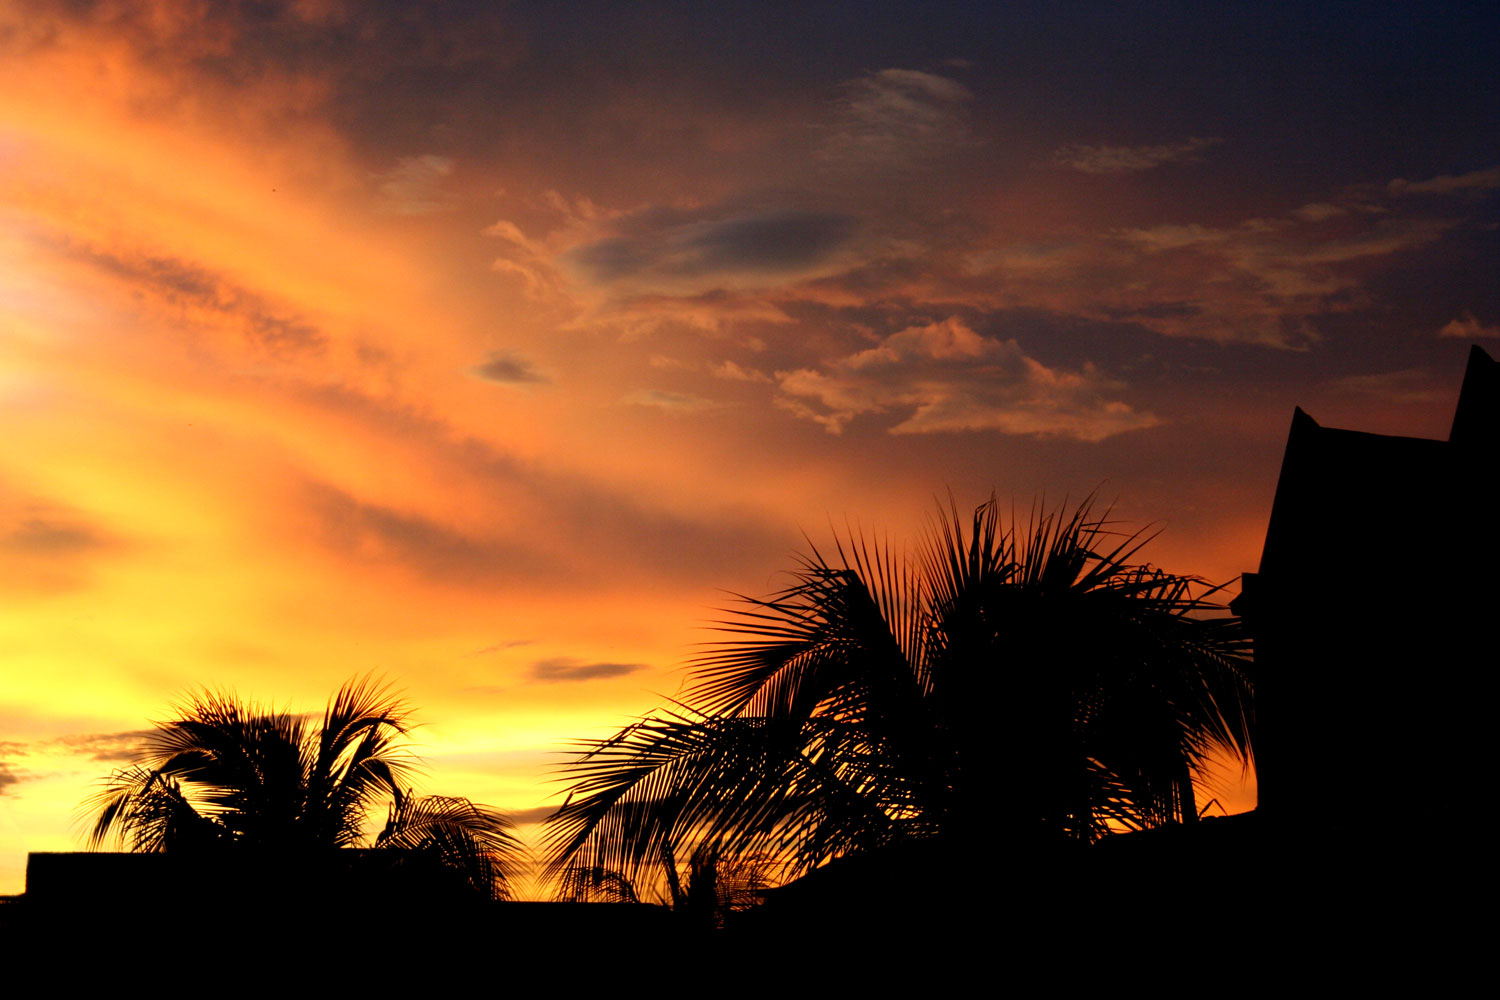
(715, 886)
(228, 781)
(1029, 688)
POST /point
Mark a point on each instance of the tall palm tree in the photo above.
(1032, 687)
(230, 779)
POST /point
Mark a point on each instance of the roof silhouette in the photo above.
(1369, 604)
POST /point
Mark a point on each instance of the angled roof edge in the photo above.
(1477, 418)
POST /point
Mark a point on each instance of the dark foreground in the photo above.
(1210, 908)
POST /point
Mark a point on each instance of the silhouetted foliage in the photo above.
(715, 887)
(228, 780)
(1007, 688)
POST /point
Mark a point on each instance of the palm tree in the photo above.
(228, 780)
(715, 886)
(1033, 687)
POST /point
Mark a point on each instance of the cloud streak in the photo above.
(566, 670)
(204, 300)
(898, 119)
(120, 746)
(675, 403)
(946, 378)
(414, 186)
(1468, 327)
(510, 369)
(1131, 159)
(671, 248)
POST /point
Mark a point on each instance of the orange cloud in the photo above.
(944, 377)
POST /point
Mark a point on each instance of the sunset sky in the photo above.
(487, 346)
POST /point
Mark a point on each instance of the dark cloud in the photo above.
(1128, 159)
(522, 817)
(610, 259)
(669, 244)
(47, 536)
(510, 369)
(9, 776)
(1155, 310)
(565, 669)
(47, 547)
(1268, 280)
(771, 241)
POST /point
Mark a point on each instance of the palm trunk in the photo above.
(1187, 803)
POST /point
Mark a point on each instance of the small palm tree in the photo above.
(228, 779)
(1032, 687)
(715, 886)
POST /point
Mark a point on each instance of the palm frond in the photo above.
(594, 884)
(472, 841)
(1041, 676)
(227, 774)
(147, 812)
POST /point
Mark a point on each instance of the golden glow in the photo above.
(292, 392)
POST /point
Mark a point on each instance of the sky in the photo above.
(491, 348)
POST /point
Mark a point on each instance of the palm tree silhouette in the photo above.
(715, 886)
(1034, 688)
(227, 780)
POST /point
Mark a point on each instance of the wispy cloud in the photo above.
(1409, 385)
(1264, 280)
(377, 535)
(204, 299)
(104, 746)
(738, 373)
(1261, 281)
(1319, 211)
(10, 775)
(678, 403)
(414, 186)
(897, 118)
(945, 377)
(116, 747)
(1468, 327)
(530, 260)
(1129, 159)
(48, 546)
(1474, 181)
(500, 647)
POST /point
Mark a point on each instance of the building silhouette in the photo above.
(1374, 645)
